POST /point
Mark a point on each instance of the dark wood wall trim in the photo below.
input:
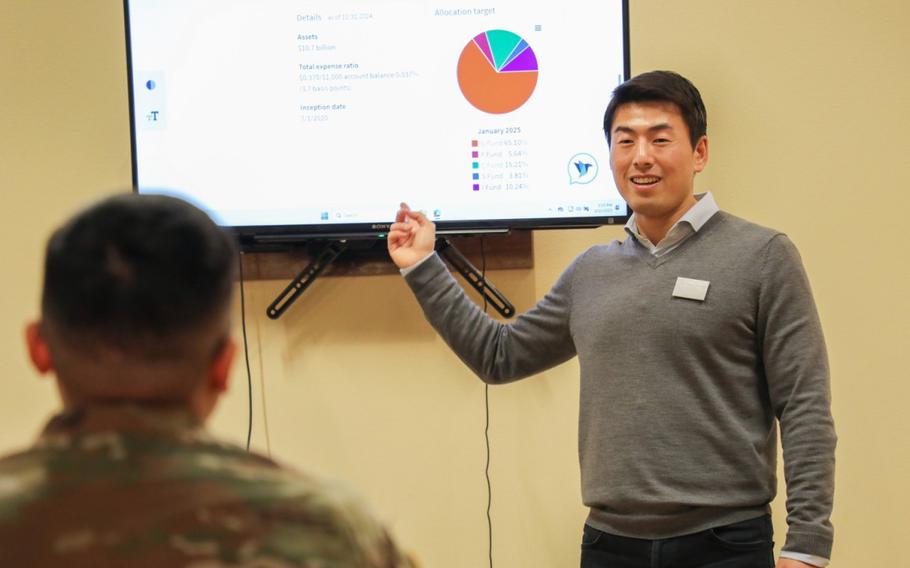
(370, 258)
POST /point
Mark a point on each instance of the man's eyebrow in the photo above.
(655, 128)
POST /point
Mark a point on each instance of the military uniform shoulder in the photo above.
(299, 519)
(357, 521)
(207, 502)
(25, 474)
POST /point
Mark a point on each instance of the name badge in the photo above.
(691, 289)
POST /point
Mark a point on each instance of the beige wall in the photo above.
(808, 104)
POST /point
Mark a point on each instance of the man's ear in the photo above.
(38, 350)
(220, 370)
(701, 154)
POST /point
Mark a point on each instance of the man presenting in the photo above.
(697, 336)
(135, 325)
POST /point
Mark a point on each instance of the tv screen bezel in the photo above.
(253, 237)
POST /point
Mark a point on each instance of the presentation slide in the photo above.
(288, 113)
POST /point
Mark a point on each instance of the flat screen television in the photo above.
(288, 119)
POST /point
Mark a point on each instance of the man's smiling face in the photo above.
(653, 161)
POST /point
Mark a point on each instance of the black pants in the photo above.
(747, 544)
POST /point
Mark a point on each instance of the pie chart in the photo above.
(497, 71)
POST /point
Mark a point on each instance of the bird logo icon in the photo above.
(583, 168)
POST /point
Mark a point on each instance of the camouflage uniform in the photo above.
(123, 485)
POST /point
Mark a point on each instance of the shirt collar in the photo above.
(164, 418)
(705, 207)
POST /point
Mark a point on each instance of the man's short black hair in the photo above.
(662, 86)
(133, 270)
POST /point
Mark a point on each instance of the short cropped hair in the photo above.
(133, 270)
(662, 86)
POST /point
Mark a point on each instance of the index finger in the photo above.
(402, 213)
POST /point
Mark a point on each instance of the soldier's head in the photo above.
(135, 304)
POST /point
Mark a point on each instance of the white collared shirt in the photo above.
(705, 207)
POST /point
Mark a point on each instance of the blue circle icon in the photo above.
(150, 85)
(583, 168)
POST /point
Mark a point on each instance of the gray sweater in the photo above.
(677, 429)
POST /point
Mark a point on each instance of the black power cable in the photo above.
(486, 401)
(246, 353)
